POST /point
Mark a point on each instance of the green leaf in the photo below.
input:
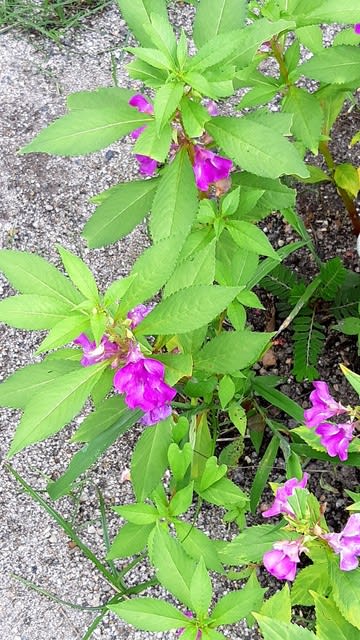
(353, 378)
(29, 273)
(312, 578)
(200, 589)
(149, 459)
(278, 607)
(226, 390)
(251, 544)
(278, 399)
(258, 95)
(329, 621)
(224, 492)
(221, 17)
(138, 513)
(256, 148)
(162, 36)
(307, 117)
(334, 65)
(80, 274)
(182, 500)
(248, 236)
(311, 37)
(332, 11)
(95, 99)
(197, 269)
(194, 116)
(346, 177)
(110, 411)
(235, 606)
(123, 209)
(86, 130)
(166, 102)
(150, 76)
(117, 289)
(231, 351)
(179, 459)
(52, 409)
(152, 57)
(345, 591)
(152, 269)
(64, 332)
(273, 195)
(212, 473)
(187, 309)
(17, 390)
(131, 539)
(86, 457)
(175, 203)
(149, 614)
(276, 630)
(197, 545)
(30, 311)
(263, 471)
(152, 144)
(137, 15)
(174, 568)
(178, 365)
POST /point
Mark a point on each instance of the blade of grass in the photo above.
(53, 597)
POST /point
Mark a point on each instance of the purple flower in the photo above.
(141, 104)
(137, 132)
(283, 559)
(142, 382)
(357, 28)
(208, 167)
(347, 543)
(138, 314)
(336, 438)
(148, 166)
(179, 632)
(324, 405)
(212, 108)
(93, 353)
(282, 494)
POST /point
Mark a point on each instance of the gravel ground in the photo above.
(44, 200)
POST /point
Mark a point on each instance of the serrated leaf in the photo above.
(334, 65)
(149, 459)
(197, 545)
(276, 630)
(123, 209)
(182, 500)
(353, 378)
(29, 273)
(251, 544)
(175, 203)
(248, 236)
(312, 578)
(345, 591)
(278, 607)
(174, 568)
(187, 310)
(80, 274)
(256, 147)
(222, 17)
(117, 289)
(166, 101)
(235, 606)
(197, 269)
(86, 130)
(194, 116)
(52, 409)
(149, 614)
(110, 411)
(17, 390)
(307, 117)
(329, 621)
(347, 177)
(138, 513)
(331, 11)
(231, 351)
(152, 144)
(137, 15)
(178, 365)
(30, 311)
(131, 539)
(200, 589)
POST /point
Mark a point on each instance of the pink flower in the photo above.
(137, 132)
(148, 165)
(208, 167)
(138, 314)
(347, 543)
(357, 28)
(141, 104)
(280, 504)
(283, 559)
(324, 405)
(212, 108)
(142, 382)
(336, 438)
(94, 354)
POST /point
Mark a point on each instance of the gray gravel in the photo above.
(45, 200)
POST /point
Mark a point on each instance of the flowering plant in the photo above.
(182, 366)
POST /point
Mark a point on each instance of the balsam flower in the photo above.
(283, 559)
(347, 543)
(142, 382)
(324, 406)
(336, 438)
(212, 108)
(148, 165)
(138, 314)
(94, 354)
(208, 167)
(357, 28)
(282, 494)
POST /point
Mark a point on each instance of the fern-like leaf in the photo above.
(280, 282)
(308, 343)
(347, 300)
(332, 275)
